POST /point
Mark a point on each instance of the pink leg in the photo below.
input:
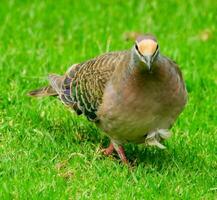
(109, 150)
(118, 148)
(121, 153)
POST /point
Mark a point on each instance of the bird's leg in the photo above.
(109, 150)
(118, 148)
(121, 153)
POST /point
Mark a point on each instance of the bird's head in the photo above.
(146, 49)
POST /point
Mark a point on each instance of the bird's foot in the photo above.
(118, 148)
(121, 153)
(154, 138)
(109, 150)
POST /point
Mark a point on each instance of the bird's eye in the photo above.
(156, 48)
(136, 46)
(156, 51)
(137, 49)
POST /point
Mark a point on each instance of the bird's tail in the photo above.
(42, 92)
(52, 90)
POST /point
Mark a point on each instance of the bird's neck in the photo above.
(136, 65)
(137, 72)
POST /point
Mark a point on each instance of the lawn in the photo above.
(47, 152)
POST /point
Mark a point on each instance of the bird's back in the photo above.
(82, 87)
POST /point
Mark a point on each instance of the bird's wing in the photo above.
(82, 87)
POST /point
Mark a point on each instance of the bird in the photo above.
(133, 96)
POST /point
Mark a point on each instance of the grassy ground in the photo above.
(46, 152)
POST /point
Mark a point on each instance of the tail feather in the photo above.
(42, 92)
(52, 90)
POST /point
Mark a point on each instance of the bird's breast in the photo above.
(129, 112)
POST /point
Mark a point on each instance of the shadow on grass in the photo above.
(141, 154)
(72, 129)
(78, 130)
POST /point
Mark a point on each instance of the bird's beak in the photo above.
(147, 60)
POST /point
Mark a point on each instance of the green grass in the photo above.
(47, 152)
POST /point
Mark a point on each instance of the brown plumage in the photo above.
(134, 95)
